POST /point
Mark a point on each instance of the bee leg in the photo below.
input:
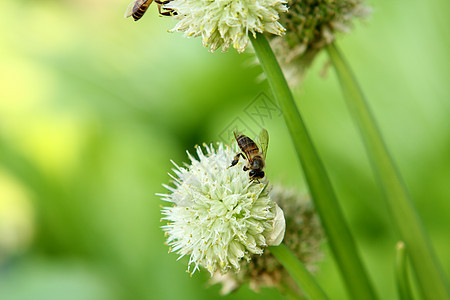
(245, 168)
(168, 12)
(236, 159)
(253, 179)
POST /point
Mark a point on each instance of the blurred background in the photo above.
(93, 107)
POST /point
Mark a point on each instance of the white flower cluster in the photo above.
(225, 23)
(218, 216)
(304, 238)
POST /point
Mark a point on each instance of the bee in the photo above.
(255, 153)
(137, 8)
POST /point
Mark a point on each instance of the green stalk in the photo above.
(406, 221)
(289, 293)
(333, 222)
(298, 272)
(401, 272)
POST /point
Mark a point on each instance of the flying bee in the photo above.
(255, 153)
(137, 8)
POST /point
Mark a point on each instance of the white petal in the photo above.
(279, 227)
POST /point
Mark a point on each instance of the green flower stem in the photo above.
(339, 236)
(401, 273)
(432, 282)
(298, 272)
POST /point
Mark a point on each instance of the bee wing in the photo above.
(263, 141)
(131, 9)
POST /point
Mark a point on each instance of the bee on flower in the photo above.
(218, 217)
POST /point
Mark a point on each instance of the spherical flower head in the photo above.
(225, 23)
(219, 216)
(304, 237)
(310, 26)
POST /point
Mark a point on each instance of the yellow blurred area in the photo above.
(16, 217)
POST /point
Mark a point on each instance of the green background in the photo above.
(93, 107)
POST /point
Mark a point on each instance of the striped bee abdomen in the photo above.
(140, 9)
(247, 145)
